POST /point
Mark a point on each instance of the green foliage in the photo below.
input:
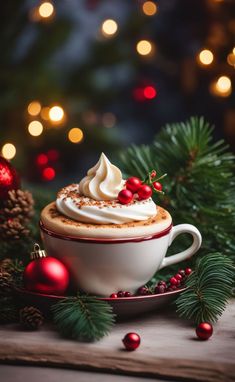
(200, 185)
(83, 318)
(209, 288)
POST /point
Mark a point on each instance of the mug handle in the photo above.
(197, 240)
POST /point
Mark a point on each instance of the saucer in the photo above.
(124, 307)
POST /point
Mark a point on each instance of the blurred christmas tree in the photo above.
(79, 77)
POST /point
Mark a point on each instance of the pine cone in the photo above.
(13, 229)
(8, 311)
(31, 318)
(14, 267)
(19, 204)
(6, 283)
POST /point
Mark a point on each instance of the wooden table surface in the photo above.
(169, 349)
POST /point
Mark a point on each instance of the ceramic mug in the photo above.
(105, 266)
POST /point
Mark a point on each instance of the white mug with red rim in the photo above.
(105, 266)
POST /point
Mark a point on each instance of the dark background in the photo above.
(100, 81)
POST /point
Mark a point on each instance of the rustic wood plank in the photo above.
(168, 349)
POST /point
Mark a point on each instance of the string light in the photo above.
(109, 27)
(46, 9)
(150, 92)
(206, 57)
(34, 108)
(48, 173)
(109, 119)
(45, 113)
(223, 84)
(75, 135)
(231, 59)
(144, 47)
(149, 8)
(8, 151)
(41, 159)
(35, 128)
(56, 114)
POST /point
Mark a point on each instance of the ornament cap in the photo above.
(37, 252)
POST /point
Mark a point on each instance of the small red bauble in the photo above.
(204, 330)
(178, 277)
(131, 341)
(143, 291)
(125, 196)
(9, 179)
(188, 271)
(157, 186)
(159, 289)
(153, 174)
(121, 293)
(113, 295)
(133, 184)
(144, 192)
(45, 274)
(127, 294)
(173, 281)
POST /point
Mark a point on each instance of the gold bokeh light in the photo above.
(34, 108)
(8, 151)
(109, 27)
(75, 135)
(149, 8)
(35, 128)
(144, 47)
(206, 57)
(46, 9)
(56, 114)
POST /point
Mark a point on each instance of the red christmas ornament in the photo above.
(45, 274)
(131, 341)
(113, 295)
(125, 196)
(188, 271)
(133, 184)
(144, 192)
(173, 281)
(9, 179)
(157, 186)
(204, 330)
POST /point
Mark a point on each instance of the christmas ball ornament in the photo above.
(204, 330)
(188, 271)
(144, 192)
(157, 186)
(173, 281)
(127, 294)
(121, 293)
(143, 291)
(9, 179)
(133, 184)
(113, 295)
(125, 196)
(45, 274)
(131, 341)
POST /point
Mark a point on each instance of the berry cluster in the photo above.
(175, 282)
(144, 189)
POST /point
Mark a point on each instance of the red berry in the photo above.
(113, 295)
(182, 272)
(173, 281)
(145, 192)
(162, 283)
(178, 277)
(133, 184)
(125, 196)
(127, 294)
(131, 341)
(204, 330)
(188, 271)
(120, 293)
(143, 291)
(171, 288)
(159, 289)
(153, 174)
(157, 186)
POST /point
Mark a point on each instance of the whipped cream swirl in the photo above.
(103, 181)
(94, 199)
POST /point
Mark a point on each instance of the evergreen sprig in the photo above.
(200, 185)
(83, 318)
(208, 289)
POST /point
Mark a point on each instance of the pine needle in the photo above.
(209, 288)
(83, 318)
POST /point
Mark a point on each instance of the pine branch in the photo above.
(209, 288)
(200, 185)
(83, 318)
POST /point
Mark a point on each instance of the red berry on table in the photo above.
(131, 341)
(157, 186)
(173, 281)
(120, 293)
(178, 277)
(143, 291)
(188, 271)
(133, 184)
(125, 196)
(144, 192)
(113, 295)
(204, 330)
(127, 294)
